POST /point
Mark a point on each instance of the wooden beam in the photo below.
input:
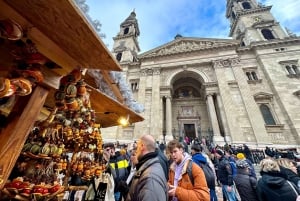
(63, 23)
(21, 121)
(113, 86)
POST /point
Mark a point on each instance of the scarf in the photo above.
(178, 170)
(179, 167)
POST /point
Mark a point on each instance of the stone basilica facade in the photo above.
(240, 90)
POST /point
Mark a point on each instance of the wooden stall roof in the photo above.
(62, 33)
(63, 23)
(109, 111)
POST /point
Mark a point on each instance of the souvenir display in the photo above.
(10, 30)
(62, 151)
(26, 72)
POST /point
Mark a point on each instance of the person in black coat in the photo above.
(289, 169)
(273, 185)
(225, 176)
(245, 184)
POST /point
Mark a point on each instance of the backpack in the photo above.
(208, 172)
(189, 171)
(209, 175)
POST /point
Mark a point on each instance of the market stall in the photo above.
(49, 104)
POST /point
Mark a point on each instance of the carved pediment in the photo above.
(183, 45)
(261, 96)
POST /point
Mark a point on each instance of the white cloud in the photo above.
(287, 13)
(160, 20)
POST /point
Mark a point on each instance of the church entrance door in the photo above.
(190, 131)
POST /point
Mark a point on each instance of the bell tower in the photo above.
(251, 22)
(126, 44)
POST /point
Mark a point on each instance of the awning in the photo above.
(62, 33)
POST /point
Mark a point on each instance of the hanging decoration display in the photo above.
(65, 146)
(25, 73)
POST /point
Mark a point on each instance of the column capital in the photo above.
(146, 72)
(209, 94)
(168, 97)
(156, 71)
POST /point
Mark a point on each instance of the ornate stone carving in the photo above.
(149, 71)
(226, 63)
(156, 71)
(187, 46)
(234, 61)
(143, 72)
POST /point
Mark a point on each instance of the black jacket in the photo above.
(163, 162)
(118, 167)
(290, 175)
(224, 172)
(246, 185)
(273, 186)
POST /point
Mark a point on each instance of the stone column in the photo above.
(213, 118)
(223, 118)
(168, 117)
(162, 122)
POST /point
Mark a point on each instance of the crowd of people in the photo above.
(155, 171)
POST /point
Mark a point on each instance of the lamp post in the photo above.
(164, 136)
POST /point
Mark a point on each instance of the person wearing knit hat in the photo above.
(240, 156)
(196, 147)
(245, 184)
(241, 164)
(109, 145)
(119, 172)
(219, 152)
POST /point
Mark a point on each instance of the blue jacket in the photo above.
(199, 158)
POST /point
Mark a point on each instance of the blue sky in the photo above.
(160, 20)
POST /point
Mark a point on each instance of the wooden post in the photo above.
(21, 121)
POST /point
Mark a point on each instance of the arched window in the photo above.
(249, 76)
(267, 34)
(296, 69)
(119, 56)
(126, 30)
(267, 115)
(233, 15)
(246, 5)
(289, 69)
(254, 76)
(242, 43)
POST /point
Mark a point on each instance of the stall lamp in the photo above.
(124, 121)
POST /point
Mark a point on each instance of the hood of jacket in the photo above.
(199, 158)
(273, 179)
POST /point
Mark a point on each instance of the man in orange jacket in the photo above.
(183, 185)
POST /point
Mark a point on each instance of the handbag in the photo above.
(297, 194)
